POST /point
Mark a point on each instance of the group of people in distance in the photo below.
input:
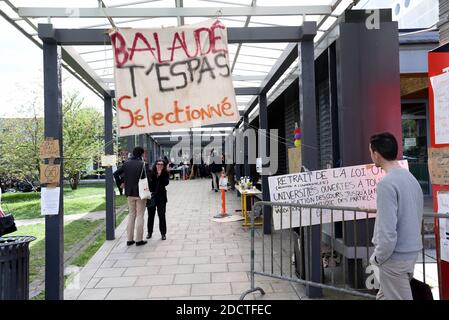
(127, 178)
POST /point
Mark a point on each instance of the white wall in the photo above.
(409, 13)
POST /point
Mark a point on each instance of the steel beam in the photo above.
(44, 12)
(246, 91)
(246, 167)
(263, 124)
(130, 143)
(308, 124)
(109, 150)
(148, 147)
(141, 140)
(154, 150)
(54, 224)
(235, 35)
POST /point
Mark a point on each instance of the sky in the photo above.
(21, 77)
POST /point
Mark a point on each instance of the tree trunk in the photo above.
(74, 180)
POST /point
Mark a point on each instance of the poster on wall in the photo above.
(438, 163)
(342, 187)
(443, 207)
(440, 87)
(171, 78)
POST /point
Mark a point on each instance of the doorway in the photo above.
(415, 141)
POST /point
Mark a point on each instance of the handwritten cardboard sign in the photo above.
(172, 78)
(341, 187)
(294, 160)
(50, 174)
(439, 165)
(49, 148)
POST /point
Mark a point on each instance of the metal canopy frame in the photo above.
(54, 39)
(24, 17)
(42, 12)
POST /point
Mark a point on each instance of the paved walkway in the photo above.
(201, 259)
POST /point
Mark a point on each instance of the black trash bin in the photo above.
(14, 267)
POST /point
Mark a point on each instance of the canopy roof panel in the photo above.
(251, 63)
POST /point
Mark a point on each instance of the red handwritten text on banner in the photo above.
(172, 78)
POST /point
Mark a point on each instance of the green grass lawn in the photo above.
(82, 259)
(87, 198)
(74, 231)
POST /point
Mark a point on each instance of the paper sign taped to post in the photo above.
(444, 239)
(443, 202)
(223, 183)
(108, 160)
(440, 87)
(443, 207)
(439, 165)
(170, 78)
(340, 187)
(50, 201)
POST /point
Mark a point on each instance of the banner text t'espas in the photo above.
(172, 78)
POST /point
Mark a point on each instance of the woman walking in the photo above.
(159, 179)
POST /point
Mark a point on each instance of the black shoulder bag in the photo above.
(7, 224)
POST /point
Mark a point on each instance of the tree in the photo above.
(20, 139)
(82, 139)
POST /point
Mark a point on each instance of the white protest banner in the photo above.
(440, 86)
(170, 78)
(342, 187)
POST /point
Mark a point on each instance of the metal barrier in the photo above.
(360, 254)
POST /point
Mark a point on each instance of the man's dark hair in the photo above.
(138, 152)
(385, 144)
